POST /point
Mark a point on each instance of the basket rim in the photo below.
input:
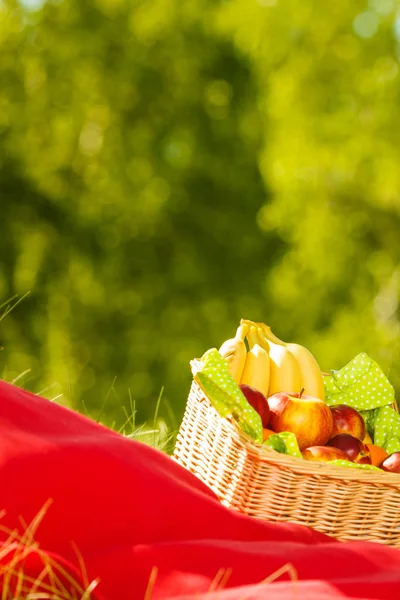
(293, 463)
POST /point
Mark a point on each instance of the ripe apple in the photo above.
(355, 449)
(347, 420)
(309, 418)
(323, 453)
(258, 401)
(391, 463)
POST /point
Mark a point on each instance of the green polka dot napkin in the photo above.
(392, 444)
(360, 384)
(224, 393)
(369, 418)
(285, 443)
(363, 385)
(347, 463)
(383, 425)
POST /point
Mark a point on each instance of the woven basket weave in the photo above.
(348, 504)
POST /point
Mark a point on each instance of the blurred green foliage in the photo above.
(168, 167)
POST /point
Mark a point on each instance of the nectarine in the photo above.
(324, 454)
(347, 420)
(391, 463)
(355, 449)
(258, 401)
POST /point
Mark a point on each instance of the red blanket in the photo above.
(145, 528)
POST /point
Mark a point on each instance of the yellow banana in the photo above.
(234, 351)
(311, 376)
(284, 371)
(310, 373)
(256, 371)
(269, 335)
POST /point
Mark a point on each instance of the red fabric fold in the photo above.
(142, 524)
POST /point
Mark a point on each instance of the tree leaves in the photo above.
(164, 173)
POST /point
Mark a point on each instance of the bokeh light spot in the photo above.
(366, 24)
(382, 7)
(396, 28)
(219, 93)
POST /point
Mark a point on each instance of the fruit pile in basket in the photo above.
(323, 433)
(344, 417)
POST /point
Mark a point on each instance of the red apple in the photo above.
(391, 463)
(347, 420)
(309, 418)
(324, 454)
(258, 401)
(355, 449)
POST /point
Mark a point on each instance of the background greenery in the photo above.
(169, 167)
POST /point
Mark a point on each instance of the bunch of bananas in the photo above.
(269, 364)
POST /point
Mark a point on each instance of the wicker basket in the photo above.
(348, 504)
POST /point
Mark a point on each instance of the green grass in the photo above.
(54, 582)
(157, 432)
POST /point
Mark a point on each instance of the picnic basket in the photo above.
(347, 504)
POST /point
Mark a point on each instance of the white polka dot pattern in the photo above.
(387, 429)
(347, 463)
(285, 443)
(363, 385)
(224, 393)
(360, 384)
(393, 445)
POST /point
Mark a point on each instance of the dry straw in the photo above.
(53, 582)
(346, 503)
